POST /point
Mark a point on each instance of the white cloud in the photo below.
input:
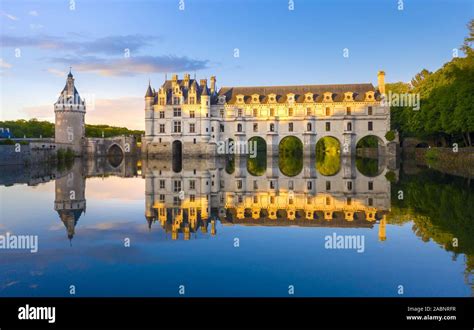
(36, 26)
(56, 72)
(9, 16)
(33, 13)
(4, 64)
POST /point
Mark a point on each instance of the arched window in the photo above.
(309, 127)
(239, 127)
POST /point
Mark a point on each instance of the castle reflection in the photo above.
(205, 191)
(194, 195)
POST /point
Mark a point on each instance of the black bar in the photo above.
(239, 312)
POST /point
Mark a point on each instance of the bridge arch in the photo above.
(328, 155)
(290, 156)
(370, 152)
(115, 155)
(177, 156)
(257, 158)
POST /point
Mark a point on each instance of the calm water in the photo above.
(235, 228)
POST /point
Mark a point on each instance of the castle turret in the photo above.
(205, 110)
(70, 200)
(149, 116)
(70, 112)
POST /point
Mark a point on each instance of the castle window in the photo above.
(162, 101)
(175, 200)
(239, 127)
(327, 97)
(309, 112)
(272, 184)
(290, 112)
(348, 111)
(255, 99)
(369, 111)
(192, 114)
(328, 126)
(255, 184)
(349, 127)
(309, 127)
(192, 100)
(194, 141)
(177, 185)
(162, 198)
(239, 112)
(177, 127)
(162, 114)
(371, 185)
(177, 112)
(162, 184)
(272, 127)
(221, 128)
(290, 127)
(370, 126)
(255, 112)
(349, 185)
(255, 127)
(272, 112)
(308, 98)
(239, 199)
(192, 128)
(239, 184)
(162, 128)
(328, 185)
(328, 111)
(371, 201)
(175, 100)
(221, 113)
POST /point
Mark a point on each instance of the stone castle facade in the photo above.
(194, 117)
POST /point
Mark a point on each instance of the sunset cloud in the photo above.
(110, 45)
(123, 111)
(134, 65)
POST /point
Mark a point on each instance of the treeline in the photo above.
(446, 100)
(34, 128)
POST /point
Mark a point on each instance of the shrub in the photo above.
(390, 135)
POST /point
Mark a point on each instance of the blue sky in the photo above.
(276, 46)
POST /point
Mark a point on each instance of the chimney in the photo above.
(381, 81)
(186, 80)
(213, 84)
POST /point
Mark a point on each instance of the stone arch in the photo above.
(115, 155)
(257, 163)
(177, 156)
(328, 155)
(370, 151)
(290, 155)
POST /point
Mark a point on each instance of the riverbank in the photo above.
(446, 160)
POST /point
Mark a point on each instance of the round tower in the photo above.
(70, 111)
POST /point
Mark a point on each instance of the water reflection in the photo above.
(207, 195)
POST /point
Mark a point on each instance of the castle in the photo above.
(191, 118)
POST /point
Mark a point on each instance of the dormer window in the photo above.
(348, 96)
(328, 96)
(291, 97)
